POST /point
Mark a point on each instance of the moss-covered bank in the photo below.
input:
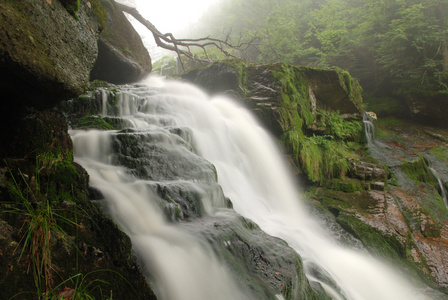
(316, 113)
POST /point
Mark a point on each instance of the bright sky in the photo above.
(168, 16)
(172, 15)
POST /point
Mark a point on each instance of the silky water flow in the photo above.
(251, 171)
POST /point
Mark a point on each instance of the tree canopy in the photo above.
(392, 46)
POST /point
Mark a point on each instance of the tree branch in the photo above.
(169, 42)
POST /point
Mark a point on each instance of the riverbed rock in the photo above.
(122, 57)
(265, 265)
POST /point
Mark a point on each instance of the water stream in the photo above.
(252, 174)
(442, 189)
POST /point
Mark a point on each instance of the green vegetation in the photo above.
(100, 12)
(441, 153)
(327, 155)
(50, 219)
(96, 122)
(94, 85)
(39, 225)
(320, 157)
(33, 201)
(394, 47)
(339, 128)
(418, 170)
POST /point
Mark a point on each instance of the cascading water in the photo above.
(369, 128)
(442, 189)
(252, 175)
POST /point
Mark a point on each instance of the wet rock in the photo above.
(377, 186)
(367, 171)
(262, 263)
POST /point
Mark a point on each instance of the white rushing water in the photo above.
(253, 176)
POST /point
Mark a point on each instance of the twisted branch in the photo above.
(169, 42)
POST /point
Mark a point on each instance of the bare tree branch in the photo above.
(169, 42)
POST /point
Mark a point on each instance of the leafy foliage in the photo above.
(403, 42)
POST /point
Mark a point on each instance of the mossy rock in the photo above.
(418, 170)
(72, 6)
(94, 122)
(345, 185)
(315, 112)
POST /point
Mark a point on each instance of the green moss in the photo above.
(432, 230)
(347, 81)
(352, 87)
(97, 122)
(93, 85)
(320, 157)
(383, 244)
(441, 153)
(417, 170)
(392, 122)
(433, 204)
(72, 6)
(347, 209)
(345, 185)
(340, 128)
(29, 44)
(100, 12)
(240, 67)
(294, 92)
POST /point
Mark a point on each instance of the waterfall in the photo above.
(369, 128)
(441, 186)
(250, 172)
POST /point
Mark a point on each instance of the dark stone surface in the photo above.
(47, 50)
(122, 57)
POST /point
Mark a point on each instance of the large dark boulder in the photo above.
(46, 53)
(122, 57)
(427, 109)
